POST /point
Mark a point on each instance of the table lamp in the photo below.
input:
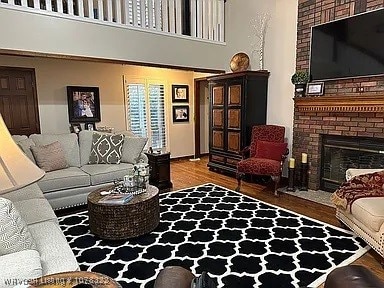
(16, 169)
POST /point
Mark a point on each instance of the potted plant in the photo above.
(300, 80)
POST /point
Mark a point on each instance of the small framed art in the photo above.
(181, 113)
(83, 104)
(90, 126)
(75, 128)
(180, 93)
(315, 89)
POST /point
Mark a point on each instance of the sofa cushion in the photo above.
(71, 177)
(105, 173)
(10, 267)
(50, 157)
(106, 149)
(55, 254)
(31, 216)
(85, 143)
(132, 148)
(369, 211)
(68, 141)
(25, 146)
(28, 192)
(14, 233)
(18, 138)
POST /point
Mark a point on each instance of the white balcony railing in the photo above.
(203, 19)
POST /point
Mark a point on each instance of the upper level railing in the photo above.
(202, 19)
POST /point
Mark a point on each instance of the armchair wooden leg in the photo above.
(276, 179)
(239, 177)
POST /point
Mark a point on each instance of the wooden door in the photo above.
(18, 100)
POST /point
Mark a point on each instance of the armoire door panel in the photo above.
(218, 118)
(218, 139)
(234, 118)
(233, 142)
(234, 95)
(218, 95)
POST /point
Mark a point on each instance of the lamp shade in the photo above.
(16, 170)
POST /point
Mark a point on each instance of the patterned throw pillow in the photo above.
(106, 149)
(270, 150)
(14, 233)
(50, 157)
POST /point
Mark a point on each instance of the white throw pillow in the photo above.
(14, 233)
(132, 148)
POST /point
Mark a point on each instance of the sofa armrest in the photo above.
(142, 158)
(20, 267)
(352, 172)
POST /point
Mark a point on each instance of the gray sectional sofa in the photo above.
(70, 186)
(52, 253)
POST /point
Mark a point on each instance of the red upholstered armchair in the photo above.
(266, 154)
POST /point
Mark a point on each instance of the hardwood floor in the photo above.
(186, 173)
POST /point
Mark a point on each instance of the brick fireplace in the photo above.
(333, 115)
(351, 107)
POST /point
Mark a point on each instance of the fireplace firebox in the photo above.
(342, 152)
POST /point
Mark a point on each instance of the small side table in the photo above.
(160, 175)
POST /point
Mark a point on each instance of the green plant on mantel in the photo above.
(300, 77)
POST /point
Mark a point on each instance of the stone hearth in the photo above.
(333, 115)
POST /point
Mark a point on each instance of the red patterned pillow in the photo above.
(270, 150)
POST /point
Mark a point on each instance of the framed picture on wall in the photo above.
(90, 126)
(83, 104)
(181, 113)
(315, 89)
(180, 93)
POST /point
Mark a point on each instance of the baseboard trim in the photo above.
(182, 158)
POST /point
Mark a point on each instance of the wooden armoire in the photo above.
(238, 101)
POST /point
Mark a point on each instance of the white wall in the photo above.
(47, 34)
(279, 51)
(204, 118)
(53, 75)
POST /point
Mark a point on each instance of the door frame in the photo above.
(197, 86)
(34, 91)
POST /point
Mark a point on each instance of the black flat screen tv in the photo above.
(350, 47)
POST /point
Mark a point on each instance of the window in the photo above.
(145, 112)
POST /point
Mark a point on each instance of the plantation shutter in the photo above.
(137, 111)
(157, 115)
(145, 112)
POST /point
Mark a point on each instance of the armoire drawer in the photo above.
(232, 161)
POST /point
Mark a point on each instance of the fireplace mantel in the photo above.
(366, 103)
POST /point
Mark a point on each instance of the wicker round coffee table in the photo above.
(114, 222)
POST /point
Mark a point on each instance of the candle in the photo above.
(304, 157)
(291, 162)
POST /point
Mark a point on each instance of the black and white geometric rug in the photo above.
(240, 241)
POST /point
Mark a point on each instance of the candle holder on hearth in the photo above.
(304, 177)
(291, 179)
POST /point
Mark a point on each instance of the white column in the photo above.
(150, 14)
(36, 4)
(205, 20)
(125, 12)
(81, 7)
(90, 9)
(60, 6)
(48, 4)
(135, 12)
(199, 18)
(193, 18)
(118, 11)
(70, 7)
(214, 20)
(220, 23)
(164, 4)
(142, 13)
(171, 16)
(158, 15)
(24, 3)
(178, 8)
(109, 11)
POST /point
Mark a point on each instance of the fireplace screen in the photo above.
(341, 152)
